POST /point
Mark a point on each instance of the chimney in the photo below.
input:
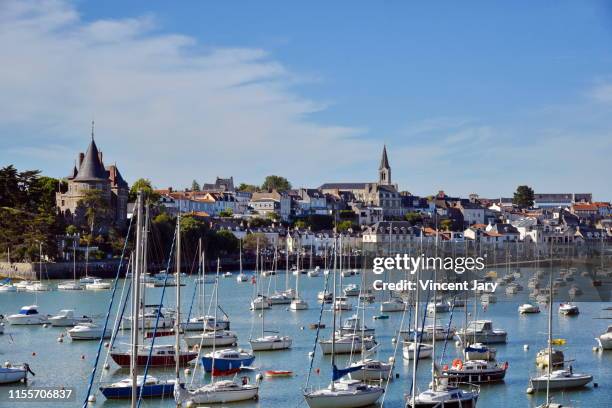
(81, 157)
(169, 189)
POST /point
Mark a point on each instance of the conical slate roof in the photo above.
(384, 161)
(91, 168)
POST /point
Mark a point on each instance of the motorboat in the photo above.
(150, 318)
(605, 340)
(370, 370)
(22, 285)
(568, 309)
(325, 297)
(344, 393)
(241, 277)
(260, 302)
(342, 303)
(66, 318)
(227, 274)
(10, 373)
(280, 299)
(88, 331)
(38, 286)
(218, 338)
(427, 333)
(351, 290)
(271, 342)
(348, 273)
(353, 325)
(151, 388)
(227, 361)
(488, 298)
(557, 357)
(313, 273)
(161, 355)
(475, 371)
(443, 395)
(88, 279)
(348, 343)
(224, 391)
(268, 273)
(8, 287)
(559, 379)
(528, 308)
(479, 351)
(199, 323)
(482, 331)
(70, 285)
(438, 307)
(394, 304)
(98, 284)
(408, 348)
(28, 315)
(298, 304)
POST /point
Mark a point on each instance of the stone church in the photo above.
(383, 194)
(89, 173)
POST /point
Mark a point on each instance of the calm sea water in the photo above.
(69, 364)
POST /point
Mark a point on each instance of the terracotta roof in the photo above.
(585, 207)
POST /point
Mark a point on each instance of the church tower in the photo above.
(384, 171)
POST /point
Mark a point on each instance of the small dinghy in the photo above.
(278, 373)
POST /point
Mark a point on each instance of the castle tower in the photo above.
(384, 171)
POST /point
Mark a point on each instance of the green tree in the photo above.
(72, 229)
(145, 186)
(301, 224)
(259, 222)
(277, 183)
(93, 210)
(274, 216)
(248, 188)
(523, 197)
(195, 186)
(446, 224)
(413, 217)
(344, 226)
(228, 212)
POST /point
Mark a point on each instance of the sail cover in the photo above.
(341, 372)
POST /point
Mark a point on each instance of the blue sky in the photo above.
(468, 98)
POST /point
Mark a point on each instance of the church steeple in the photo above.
(384, 171)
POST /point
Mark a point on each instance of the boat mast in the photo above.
(140, 282)
(135, 302)
(433, 332)
(416, 329)
(212, 370)
(550, 322)
(201, 276)
(177, 320)
(287, 261)
(73, 260)
(333, 356)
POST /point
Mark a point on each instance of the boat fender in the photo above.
(458, 364)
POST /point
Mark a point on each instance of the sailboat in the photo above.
(560, 378)
(260, 301)
(214, 336)
(216, 391)
(73, 284)
(440, 394)
(269, 342)
(161, 355)
(241, 277)
(38, 286)
(136, 386)
(10, 373)
(342, 393)
(298, 303)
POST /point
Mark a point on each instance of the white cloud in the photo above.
(166, 107)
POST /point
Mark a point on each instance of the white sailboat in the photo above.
(298, 303)
(556, 379)
(73, 284)
(241, 277)
(341, 393)
(216, 391)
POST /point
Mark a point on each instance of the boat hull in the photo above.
(224, 366)
(218, 397)
(123, 359)
(12, 374)
(466, 403)
(210, 341)
(149, 391)
(343, 400)
(270, 345)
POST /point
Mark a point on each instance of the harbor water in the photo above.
(69, 363)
